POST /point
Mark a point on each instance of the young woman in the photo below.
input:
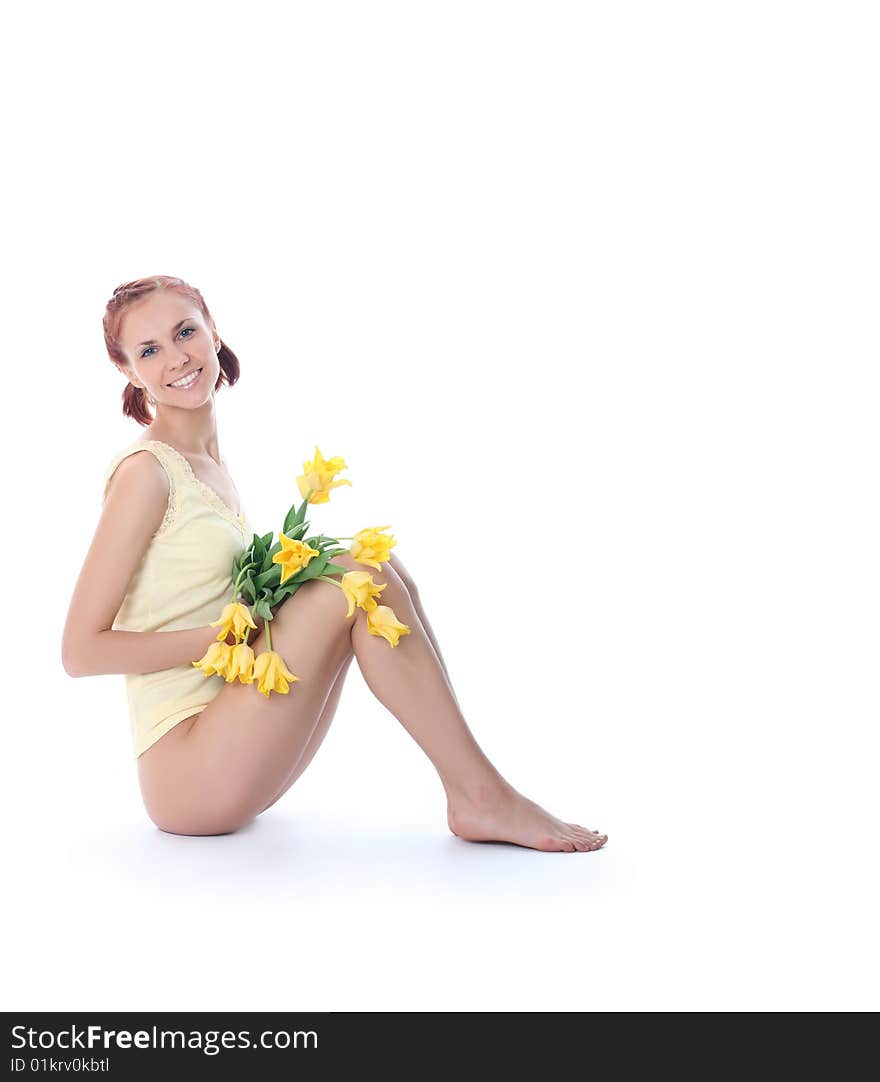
(212, 755)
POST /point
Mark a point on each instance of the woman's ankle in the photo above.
(480, 792)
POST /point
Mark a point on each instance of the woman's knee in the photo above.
(389, 572)
(405, 577)
(315, 595)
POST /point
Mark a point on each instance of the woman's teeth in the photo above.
(187, 381)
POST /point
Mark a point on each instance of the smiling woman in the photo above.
(211, 755)
(188, 338)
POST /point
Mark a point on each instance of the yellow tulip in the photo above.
(215, 660)
(371, 547)
(241, 664)
(382, 621)
(319, 476)
(293, 557)
(235, 618)
(359, 589)
(272, 674)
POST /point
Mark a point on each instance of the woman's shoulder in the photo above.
(158, 452)
(147, 478)
(165, 454)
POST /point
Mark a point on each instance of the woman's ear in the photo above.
(128, 375)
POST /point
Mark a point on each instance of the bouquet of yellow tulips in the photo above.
(266, 574)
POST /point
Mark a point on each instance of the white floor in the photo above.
(344, 898)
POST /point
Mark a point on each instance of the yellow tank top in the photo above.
(183, 581)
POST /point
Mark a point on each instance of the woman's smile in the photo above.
(185, 382)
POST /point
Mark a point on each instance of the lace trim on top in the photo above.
(222, 508)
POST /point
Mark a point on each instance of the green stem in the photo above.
(326, 578)
(268, 634)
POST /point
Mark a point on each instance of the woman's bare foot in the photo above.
(501, 814)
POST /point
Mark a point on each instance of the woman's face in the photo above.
(166, 339)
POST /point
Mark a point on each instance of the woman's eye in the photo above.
(147, 350)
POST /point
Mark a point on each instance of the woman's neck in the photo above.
(195, 440)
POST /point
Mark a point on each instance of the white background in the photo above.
(586, 297)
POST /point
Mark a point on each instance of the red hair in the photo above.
(134, 401)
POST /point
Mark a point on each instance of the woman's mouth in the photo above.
(185, 382)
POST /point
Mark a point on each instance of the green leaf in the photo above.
(247, 559)
(285, 591)
(266, 577)
(335, 569)
(296, 531)
(301, 514)
(247, 588)
(315, 567)
(267, 561)
(296, 534)
(267, 539)
(295, 517)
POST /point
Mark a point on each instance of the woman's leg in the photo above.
(412, 683)
(317, 737)
(413, 591)
(333, 700)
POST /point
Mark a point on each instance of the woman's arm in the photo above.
(133, 510)
(139, 651)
